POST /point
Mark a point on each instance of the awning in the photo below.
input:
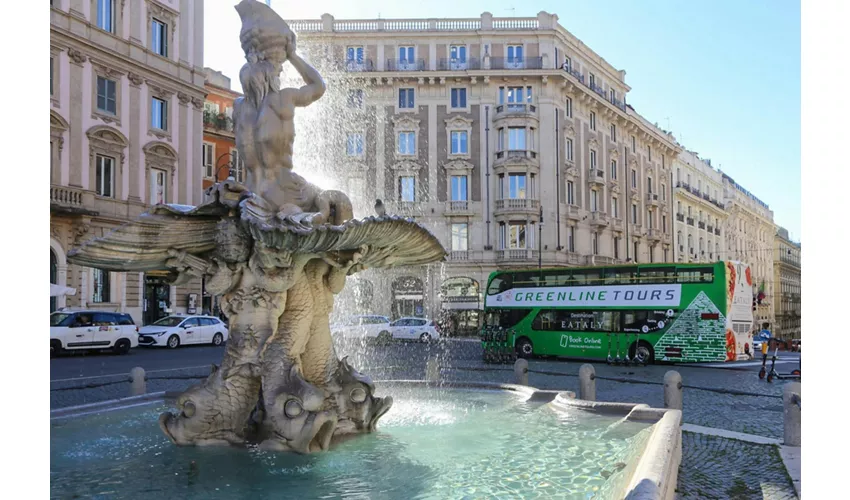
(56, 290)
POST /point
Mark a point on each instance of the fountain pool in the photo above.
(435, 443)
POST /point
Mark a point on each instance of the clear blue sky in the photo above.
(723, 75)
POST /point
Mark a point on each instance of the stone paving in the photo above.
(718, 468)
(712, 467)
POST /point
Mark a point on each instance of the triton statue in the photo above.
(276, 249)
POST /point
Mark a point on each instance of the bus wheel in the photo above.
(642, 353)
(524, 348)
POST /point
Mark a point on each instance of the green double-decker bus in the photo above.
(642, 312)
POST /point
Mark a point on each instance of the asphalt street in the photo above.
(453, 353)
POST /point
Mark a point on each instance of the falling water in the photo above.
(320, 153)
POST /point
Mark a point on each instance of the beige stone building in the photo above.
(700, 210)
(786, 293)
(750, 234)
(509, 138)
(126, 101)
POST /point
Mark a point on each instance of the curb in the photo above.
(112, 404)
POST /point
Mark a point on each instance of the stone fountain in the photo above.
(277, 249)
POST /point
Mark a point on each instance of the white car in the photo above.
(367, 326)
(174, 331)
(83, 330)
(419, 329)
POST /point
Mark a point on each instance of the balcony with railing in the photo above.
(71, 200)
(596, 88)
(717, 231)
(596, 176)
(617, 224)
(358, 66)
(572, 212)
(653, 234)
(218, 121)
(576, 73)
(598, 218)
(618, 103)
(406, 206)
(517, 205)
(405, 65)
(652, 199)
(449, 64)
(690, 221)
(516, 154)
(680, 217)
(465, 255)
(709, 228)
(599, 260)
(458, 207)
(514, 110)
(516, 63)
(515, 254)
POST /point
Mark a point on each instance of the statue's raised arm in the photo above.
(315, 87)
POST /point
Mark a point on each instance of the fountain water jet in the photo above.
(277, 249)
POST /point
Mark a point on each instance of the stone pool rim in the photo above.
(653, 476)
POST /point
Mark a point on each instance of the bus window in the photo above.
(706, 274)
(687, 276)
(505, 318)
(622, 275)
(556, 278)
(526, 279)
(579, 277)
(545, 320)
(592, 277)
(633, 320)
(657, 274)
(499, 284)
(562, 320)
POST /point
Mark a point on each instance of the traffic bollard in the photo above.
(432, 370)
(521, 371)
(673, 390)
(587, 382)
(138, 386)
(791, 404)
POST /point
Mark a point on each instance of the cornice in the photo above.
(63, 39)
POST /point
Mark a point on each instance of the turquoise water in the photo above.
(434, 443)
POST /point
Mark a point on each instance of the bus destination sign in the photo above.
(590, 296)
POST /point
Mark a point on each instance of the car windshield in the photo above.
(57, 318)
(169, 321)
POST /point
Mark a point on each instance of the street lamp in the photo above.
(229, 164)
(540, 240)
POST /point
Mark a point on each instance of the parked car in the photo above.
(364, 326)
(83, 330)
(176, 330)
(420, 329)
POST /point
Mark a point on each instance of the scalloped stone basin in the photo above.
(436, 442)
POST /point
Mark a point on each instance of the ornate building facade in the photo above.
(510, 139)
(220, 157)
(700, 211)
(786, 293)
(126, 103)
(750, 233)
